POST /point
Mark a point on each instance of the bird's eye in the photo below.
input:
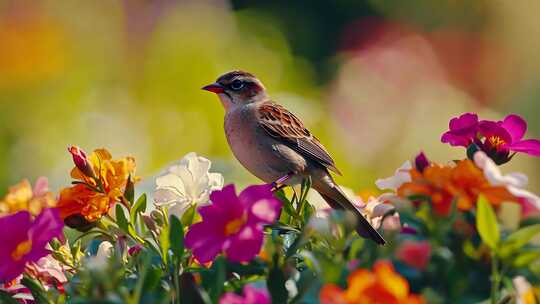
(237, 85)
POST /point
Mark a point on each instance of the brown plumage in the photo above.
(271, 142)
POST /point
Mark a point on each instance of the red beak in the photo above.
(214, 87)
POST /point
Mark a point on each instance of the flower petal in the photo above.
(45, 227)
(490, 128)
(205, 241)
(265, 210)
(255, 295)
(515, 125)
(41, 186)
(529, 146)
(224, 196)
(245, 245)
(253, 193)
(401, 176)
(168, 196)
(171, 181)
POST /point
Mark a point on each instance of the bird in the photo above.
(274, 145)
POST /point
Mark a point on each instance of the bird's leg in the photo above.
(279, 183)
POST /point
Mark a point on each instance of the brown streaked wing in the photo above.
(281, 124)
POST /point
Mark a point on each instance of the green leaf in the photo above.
(140, 206)
(176, 237)
(486, 222)
(129, 193)
(189, 215)
(121, 219)
(525, 258)
(36, 289)
(7, 298)
(518, 239)
(218, 279)
(276, 283)
(164, 242)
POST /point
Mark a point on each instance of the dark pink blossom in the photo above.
(462, 131)
(503, 137)
(233, 224)
(415, 254)
(421, 161)
(250, 295)
(23, 240)
(498, 139)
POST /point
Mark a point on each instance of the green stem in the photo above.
(176, 286)
(495, 277)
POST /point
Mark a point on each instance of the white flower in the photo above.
(401, 176)
(187, 183)
(376, 211)
(524, 290)
(105, 250)
(514, 182)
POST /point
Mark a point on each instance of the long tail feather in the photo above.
(335, 197)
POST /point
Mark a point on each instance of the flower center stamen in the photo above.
(235, 225)
(496, 141)
(21, 250)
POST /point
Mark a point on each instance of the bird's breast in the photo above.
(252, 149)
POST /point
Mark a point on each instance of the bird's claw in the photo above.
(279, 183)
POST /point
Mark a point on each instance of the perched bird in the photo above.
(274, 145)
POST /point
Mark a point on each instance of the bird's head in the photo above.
(237, 88)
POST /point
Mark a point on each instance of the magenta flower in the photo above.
(251, 295)
(462, 131)
(415, 254)
(421, 161)
(23, 240)
(496, 138)
(233, 224)
(504, 136)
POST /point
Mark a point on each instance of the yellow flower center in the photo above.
(234, 226)
(21, 250)
(496, 141)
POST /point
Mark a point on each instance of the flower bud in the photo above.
(421, 162)
(149, 221)
(157, 217)
(81, 161)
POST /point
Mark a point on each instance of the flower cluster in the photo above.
(194, 240)
(496, 138)
(382, 285)
(99, 182)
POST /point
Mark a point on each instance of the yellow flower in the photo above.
(93, 196)
(22, 197)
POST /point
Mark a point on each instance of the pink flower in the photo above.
(81, 161)
(26, 240)
(496, 138)
(250, 295)
(233, 224)
(415, 254)
(48, 270)
(462, 130)
(504, 136)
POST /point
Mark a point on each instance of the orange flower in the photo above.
(93, 196)
(462, 182)
(22, 197)
(382, 285)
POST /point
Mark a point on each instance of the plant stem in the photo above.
(495, 277)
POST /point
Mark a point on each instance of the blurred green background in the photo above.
(376, 81)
